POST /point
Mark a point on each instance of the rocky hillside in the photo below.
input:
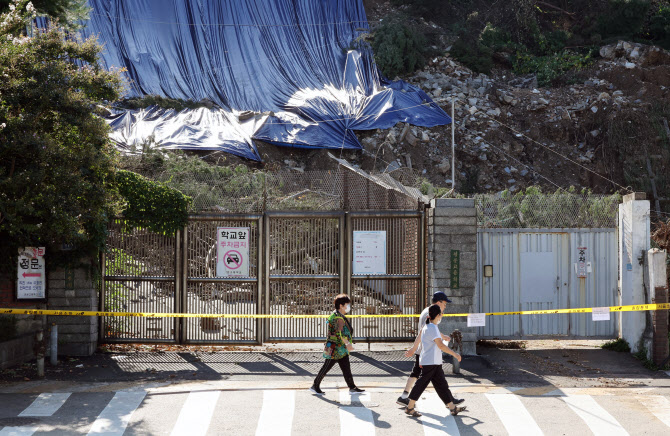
(604, 126)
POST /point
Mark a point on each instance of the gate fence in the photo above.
(298, 262)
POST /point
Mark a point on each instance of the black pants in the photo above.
(345, 366)
(416, 370)
(435, 375)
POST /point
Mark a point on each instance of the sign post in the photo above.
(232, 252)
(31, 274)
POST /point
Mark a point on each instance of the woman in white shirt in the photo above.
(431, 365)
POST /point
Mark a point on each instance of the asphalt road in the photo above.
(562, 388)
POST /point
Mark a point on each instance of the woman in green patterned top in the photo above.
(338, 345)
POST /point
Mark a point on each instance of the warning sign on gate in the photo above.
(232, 252)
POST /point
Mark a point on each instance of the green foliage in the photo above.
(478, 57)
(535, 38)
(8, 327)
(533, 208)
(620, 345)
(398, 48)
(56, 160)
(477, 53)
(431, 191)
(641, 355)
(659, 26)
(153, 205)
(551, 67)
(624, 18)
(163, 102)
(69, 13)
(470, 184)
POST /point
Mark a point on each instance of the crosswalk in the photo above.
(212, 411)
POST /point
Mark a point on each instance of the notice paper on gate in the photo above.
(477, 320)
(600, 314)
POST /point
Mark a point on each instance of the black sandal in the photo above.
(412, 412)
(456, 410)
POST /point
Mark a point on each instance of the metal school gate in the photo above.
(298, 262)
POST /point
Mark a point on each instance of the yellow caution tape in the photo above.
(631, 308)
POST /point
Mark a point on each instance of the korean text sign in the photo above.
(232, 252)
(369, 252)
(31, 274)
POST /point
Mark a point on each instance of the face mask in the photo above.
(347, 308)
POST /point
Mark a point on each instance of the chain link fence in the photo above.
(535, 209)
(345, 188)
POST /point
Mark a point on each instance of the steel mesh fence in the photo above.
(560, 209)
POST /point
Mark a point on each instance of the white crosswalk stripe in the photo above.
(277, 413)
(283, 412)
(196, 413)
(46, 404)
(18, 431)
(114, 418)
(436, 418)
(598, 419)
(356, 419)
(514, 416)
(659, 406)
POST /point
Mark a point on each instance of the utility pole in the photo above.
(453, 149)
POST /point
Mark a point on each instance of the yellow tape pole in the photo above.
(7, 311)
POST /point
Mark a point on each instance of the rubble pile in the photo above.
(507, 127)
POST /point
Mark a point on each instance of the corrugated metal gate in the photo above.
(536, 269)
(298, 262)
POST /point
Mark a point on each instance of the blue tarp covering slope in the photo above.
(300, 63)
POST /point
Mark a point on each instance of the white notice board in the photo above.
(369, 252)
(232, 252)
(31, 281)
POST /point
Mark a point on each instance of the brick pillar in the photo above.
(659, 294)
(74, 290)
(452, 249)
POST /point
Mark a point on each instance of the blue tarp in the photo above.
(299, 65)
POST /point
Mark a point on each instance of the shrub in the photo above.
(659, 27)
(153, 205)
(620, 345)
(399, 49)
(551, 67)
(624, 18)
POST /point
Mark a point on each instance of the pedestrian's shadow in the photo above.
(379, 423)
(458, 419)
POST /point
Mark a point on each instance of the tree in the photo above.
(57, 163)
(69, 13)
(398, 48)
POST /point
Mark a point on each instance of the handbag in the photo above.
(328, 350)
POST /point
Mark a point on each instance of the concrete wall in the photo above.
(77, 335)
(17, 351)
(452, 225)
(26, 324)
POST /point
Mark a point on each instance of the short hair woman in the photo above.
(338, 345)
(431, 365)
